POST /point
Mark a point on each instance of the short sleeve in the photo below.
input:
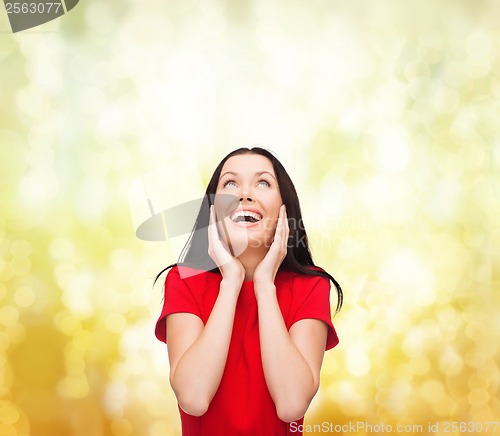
(177, 298)
(316, 304)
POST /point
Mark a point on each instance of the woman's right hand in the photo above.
(230, 267)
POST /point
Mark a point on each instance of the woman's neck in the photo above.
(250, 259)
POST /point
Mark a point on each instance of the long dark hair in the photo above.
(298, 258)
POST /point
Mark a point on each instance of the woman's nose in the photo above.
(246, 194)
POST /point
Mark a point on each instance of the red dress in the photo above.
(242, 405)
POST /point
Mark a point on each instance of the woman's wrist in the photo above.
(264, 289)
(234, 283)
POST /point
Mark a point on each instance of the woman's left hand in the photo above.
(267, 269)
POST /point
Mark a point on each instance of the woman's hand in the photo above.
(231, 268)
(267, 269)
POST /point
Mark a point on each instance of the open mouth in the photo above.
(246, 216)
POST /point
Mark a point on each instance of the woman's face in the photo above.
(251, 215)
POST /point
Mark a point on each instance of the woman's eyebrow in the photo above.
(258, 173)
(228, 172)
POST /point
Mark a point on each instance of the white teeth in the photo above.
(254, 215)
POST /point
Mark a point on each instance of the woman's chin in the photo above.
(242, 244)
(239, 244)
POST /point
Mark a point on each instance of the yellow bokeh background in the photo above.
(384, 113)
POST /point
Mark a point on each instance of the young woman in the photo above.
(246, 314)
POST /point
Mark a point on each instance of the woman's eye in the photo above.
(227, 183)
(265, 182)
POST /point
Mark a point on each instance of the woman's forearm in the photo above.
(288, 376)
(198, 372)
